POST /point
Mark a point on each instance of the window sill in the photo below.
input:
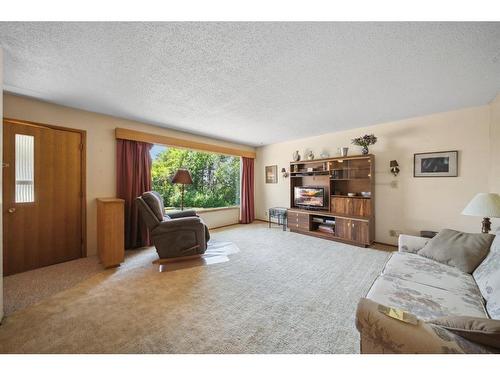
(203, 210)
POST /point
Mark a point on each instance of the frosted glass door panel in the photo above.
(25, 168)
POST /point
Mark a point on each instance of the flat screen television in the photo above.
(309, 197)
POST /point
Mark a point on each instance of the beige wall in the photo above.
(495, 144)
(495, 150)
(403, 203)
(101, 149)
(218, 218)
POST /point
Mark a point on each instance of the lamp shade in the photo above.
(182, 176)
(483, 204)
(394, 163)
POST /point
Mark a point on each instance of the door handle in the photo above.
(11, 210)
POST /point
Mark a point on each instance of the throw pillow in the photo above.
(479, 330)
(464, 251)
(487, 274)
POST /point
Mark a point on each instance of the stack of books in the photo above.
(325, 228)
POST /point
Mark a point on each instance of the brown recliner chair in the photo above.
(175, 235)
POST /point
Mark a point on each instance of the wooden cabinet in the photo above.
(353, 230)
(361, 207)
(351, 206)
(110, 231)
(348, 209)
(340, 205)
(360, 231)
(298, 220)
(343, 228)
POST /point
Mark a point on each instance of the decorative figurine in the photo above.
(296, 156)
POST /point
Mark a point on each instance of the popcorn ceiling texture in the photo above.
(255, 83)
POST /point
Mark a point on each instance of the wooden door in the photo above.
(360, 231)
(42, 195)
(343, 228)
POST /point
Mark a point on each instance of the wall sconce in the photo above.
(284, 172)
(394, 167)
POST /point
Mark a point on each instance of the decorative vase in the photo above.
(364, 141)
(296, 156)
(310, 155)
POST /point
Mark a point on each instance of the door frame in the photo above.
(83, 187)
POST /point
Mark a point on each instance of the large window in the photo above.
(216, 178)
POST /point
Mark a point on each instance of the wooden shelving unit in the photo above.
(348, 218)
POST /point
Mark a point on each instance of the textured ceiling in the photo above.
(255, 83)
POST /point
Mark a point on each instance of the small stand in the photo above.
(280, 214)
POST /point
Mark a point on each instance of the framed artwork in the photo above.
(271, 174)
(436, 164)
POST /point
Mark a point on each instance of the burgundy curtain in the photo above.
(133, 177)
(247, 212)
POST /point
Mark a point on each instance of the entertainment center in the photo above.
(334, 198)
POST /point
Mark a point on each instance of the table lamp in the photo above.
(486, 205)
(182, 176)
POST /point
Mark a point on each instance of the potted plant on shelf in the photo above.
(365, 141)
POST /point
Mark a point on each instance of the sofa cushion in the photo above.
(413, 267)
(458, 249)
(426, 302)
(384, 334)
(479, 330)
(155, 203)
(493, 305)
(487, 274)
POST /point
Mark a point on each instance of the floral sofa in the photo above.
(429, 290)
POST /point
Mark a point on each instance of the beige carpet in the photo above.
(282, 293)
(27, 288)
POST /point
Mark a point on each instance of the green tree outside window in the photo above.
(216, 178)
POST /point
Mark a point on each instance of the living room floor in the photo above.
(280, 293)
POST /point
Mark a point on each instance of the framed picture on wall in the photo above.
(436, 164)
(271, 174)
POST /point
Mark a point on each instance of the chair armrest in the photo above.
(383, 334)
(176, 224)
(179, 214)
(411, 244)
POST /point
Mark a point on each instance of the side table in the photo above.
(280, 214)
